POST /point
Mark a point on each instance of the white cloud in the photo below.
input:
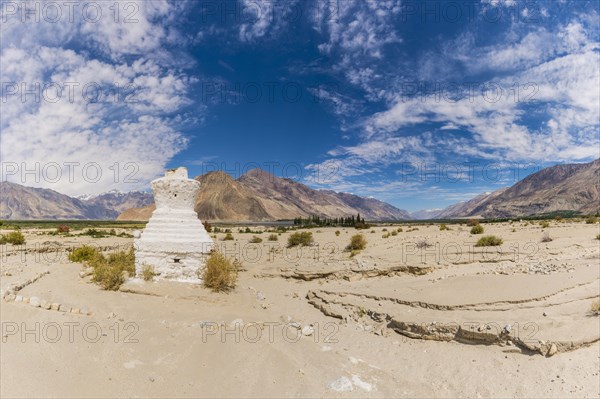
(119, 105)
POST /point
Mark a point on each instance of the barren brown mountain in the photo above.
(569, 187)
(260, 196)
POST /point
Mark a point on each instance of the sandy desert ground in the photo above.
(394, 320)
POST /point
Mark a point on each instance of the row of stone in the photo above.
(40, 303)
(11, 292)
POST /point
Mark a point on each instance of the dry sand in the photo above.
(447, 320)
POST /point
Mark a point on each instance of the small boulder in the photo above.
(35, 301)
(307, 331)
(552, 351)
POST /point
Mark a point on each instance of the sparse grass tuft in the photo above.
(357, 243)
(596, 307)
(220, 273)
(477, 229)
(255, 240)
(148, 272)
(304, 238)
(489, 241)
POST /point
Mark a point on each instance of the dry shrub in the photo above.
(544, 224)
(84, 253)
(596, 307)
(472, 222)
(337, 233)
(591, 220)
(255, 240)
(273, 237)
(489, 241)
(148, 272)
(546, 237)
(357, 242)
(443, 227)
(14, 238)
(228, 237)
(62, 228)
(423, 244)
(304, 238)
(477, 229)
(220, 273)
(112, 271)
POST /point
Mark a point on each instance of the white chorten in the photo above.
(174, 242)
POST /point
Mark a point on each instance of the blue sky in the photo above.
(417, 103)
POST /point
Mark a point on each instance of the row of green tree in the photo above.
(314, 220)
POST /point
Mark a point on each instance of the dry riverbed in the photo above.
(421, 313)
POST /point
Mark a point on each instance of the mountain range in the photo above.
(21, 202)
(261, 196)
(568, 187)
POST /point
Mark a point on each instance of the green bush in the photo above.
(84, 253)
(300, 238)
(14, 238)
(95, 233)
(255, 240)
(228, 237)
(489, 241)
(273, 237)
(357, 242)
(443, 227)
(220, 273)
(477, 229)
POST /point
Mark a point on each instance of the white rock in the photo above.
(295, 325)
(365, 386)
(307, 331)
(19, 298)
(342, 384)
(35, 301)
(552, 351)
(260, 296)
